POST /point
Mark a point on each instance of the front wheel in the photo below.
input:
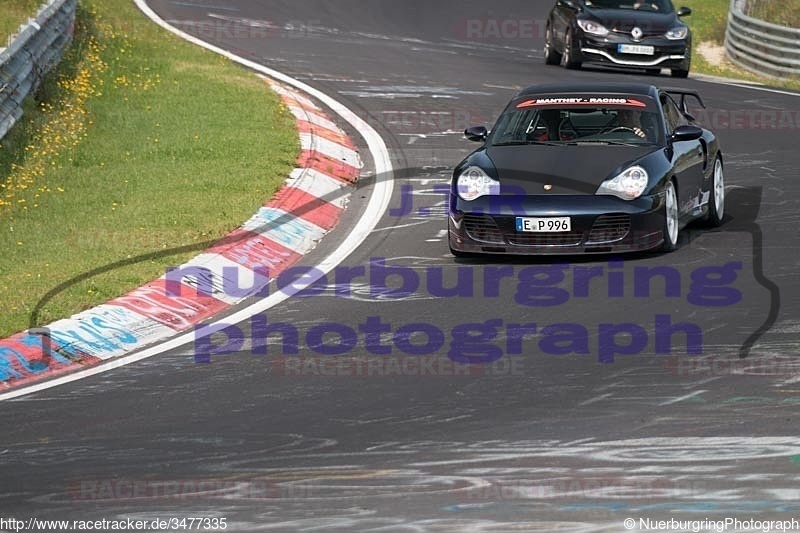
(683, 72)
(551, 57)
(670, 230)
(716, 204)
(568, 57)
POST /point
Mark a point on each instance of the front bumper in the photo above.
(605, 50)
(600, 224)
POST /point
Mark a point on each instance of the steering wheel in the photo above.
(621, 128)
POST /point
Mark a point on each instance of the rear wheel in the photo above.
(680, 73)
(551, 57)
(671, 221)
(568, 57)
(653, 71)
(716, 204)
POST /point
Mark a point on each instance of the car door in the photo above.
(688, 159)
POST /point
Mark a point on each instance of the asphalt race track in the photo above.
(535, 441)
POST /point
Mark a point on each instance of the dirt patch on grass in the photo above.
(714, 53)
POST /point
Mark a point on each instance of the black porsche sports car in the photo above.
(642, 34)
(589, 168)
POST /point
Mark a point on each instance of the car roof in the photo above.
(591, 88)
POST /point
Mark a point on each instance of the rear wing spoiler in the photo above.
(683, 93)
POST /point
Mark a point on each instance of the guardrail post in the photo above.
(761, 47)
(35, 50)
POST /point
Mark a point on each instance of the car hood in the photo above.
(569, 169)
(627, 19)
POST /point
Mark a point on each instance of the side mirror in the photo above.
(684, 11)
(476, 133)
(687, 132)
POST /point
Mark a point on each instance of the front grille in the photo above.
(501, 230)
(566, 238)
(609, 228)
(482, 228)
(508, 225)
(646, 32)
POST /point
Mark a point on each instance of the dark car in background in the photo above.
(586, 168)
(641, 34)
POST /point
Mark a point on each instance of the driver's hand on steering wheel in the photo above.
(640, 132)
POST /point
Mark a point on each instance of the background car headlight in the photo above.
(474, 183)
(593, 28)
(628, 185)
(676, 33)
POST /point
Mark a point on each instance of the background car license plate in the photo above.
(544, 224)
(636, 49)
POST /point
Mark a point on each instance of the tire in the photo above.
(551, 57)
(716, 203)
(671, 228)
(687, 65)
(567, 58)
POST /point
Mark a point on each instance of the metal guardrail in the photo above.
(761, 47)
(36, 49)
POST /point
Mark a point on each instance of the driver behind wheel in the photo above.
(629, 120)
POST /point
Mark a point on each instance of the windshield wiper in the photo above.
(518, 143)
(613, 143)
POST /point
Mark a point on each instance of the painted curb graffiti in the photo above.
(287, 227)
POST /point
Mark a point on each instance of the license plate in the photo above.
(636, 49)
(544, 225)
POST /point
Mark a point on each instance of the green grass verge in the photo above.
(785, 13)
(708, 21)
(140, 143)
(15, 12)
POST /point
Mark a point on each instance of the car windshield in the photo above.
(662, 6)
(576, 125)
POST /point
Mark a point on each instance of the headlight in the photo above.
(629, 185)
(593, 28)
(676, 33)
(474, 183)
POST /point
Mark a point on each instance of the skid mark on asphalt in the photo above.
(683, 398)
(440, 236)
(648, 475)
(411, 91)
(202, 5)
